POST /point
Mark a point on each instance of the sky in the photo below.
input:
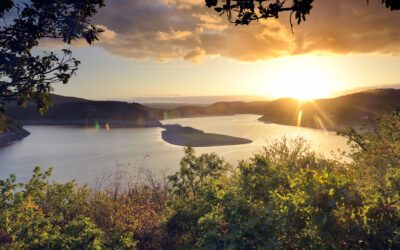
(175, 48)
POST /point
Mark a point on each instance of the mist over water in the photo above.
(85, 154)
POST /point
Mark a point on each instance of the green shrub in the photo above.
(288, 197)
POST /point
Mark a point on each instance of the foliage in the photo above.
(284, 197)
(376, 148)
(44, 215)
(243, 12)
(38, 215)
(288, 197)
(25, 76)
(5, 123)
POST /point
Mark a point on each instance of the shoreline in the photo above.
(92, 123)
(12, 135)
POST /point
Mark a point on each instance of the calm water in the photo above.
(85, 154)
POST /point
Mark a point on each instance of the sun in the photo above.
(304, 80)
(306, 85)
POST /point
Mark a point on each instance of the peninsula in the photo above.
(12, 135)
(187, 136)
(9, 132)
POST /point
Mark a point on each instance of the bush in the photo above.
(43, 215)
(289, 197)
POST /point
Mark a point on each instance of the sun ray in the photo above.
(323, 114)
(320, 123)
(299, 117)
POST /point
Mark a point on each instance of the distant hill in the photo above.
(333, 113)
(199, 100)
(366, 88)
(59, 99)
(55, 99)
(80, 112)
(169, 106)
(352, 109)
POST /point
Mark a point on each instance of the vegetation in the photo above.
(288, 197)
(29, 76)
(243, 12)
(43, 215)
(7, 124)
(285, 197)
(87, 113)
(4, 123)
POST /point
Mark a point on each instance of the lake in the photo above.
(85, 154)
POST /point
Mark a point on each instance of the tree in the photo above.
(289, 197)
(376, 148)
(251, 10)
(29, 76)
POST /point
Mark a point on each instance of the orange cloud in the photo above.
(186, 29)
(173, 35)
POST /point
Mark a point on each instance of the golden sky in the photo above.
(180, 47)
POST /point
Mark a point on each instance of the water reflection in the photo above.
(83, 153)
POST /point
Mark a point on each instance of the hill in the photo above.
(332, 113)
(80, 112)
(349, 110)
(55, 100)
(59, 99)
(171, 105)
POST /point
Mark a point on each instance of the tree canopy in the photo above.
(26, 74)
(243, 12)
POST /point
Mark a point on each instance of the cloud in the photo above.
(107, 34)
(350, 27)
(50, 43)
(195, 55)
(186, 29)
(173, 35)
(183, 4)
